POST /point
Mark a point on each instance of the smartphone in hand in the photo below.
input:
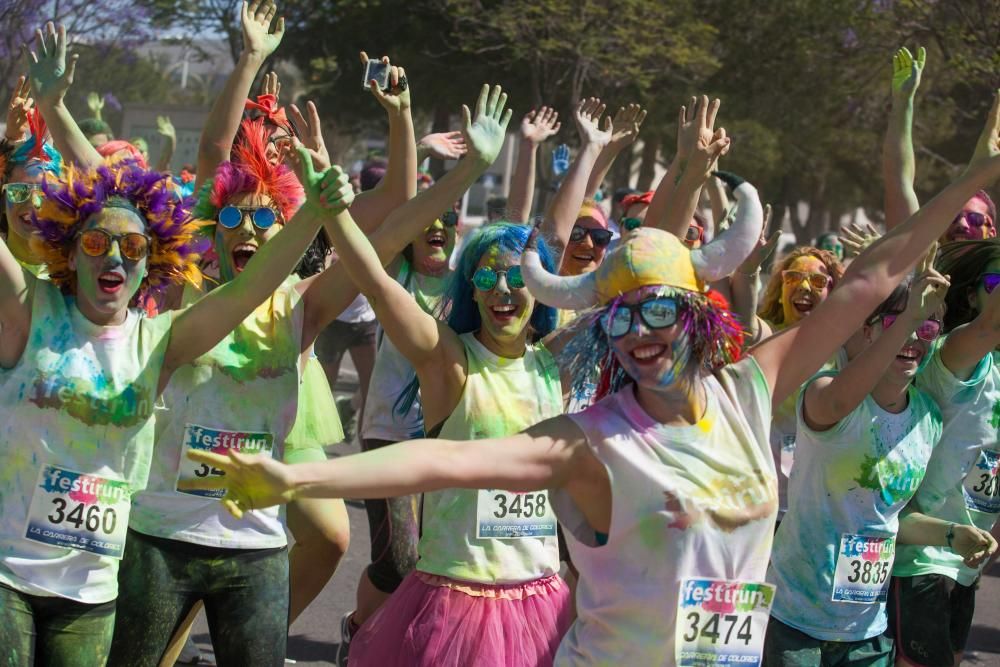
(378, 70)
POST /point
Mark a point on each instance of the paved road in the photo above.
(313, 639)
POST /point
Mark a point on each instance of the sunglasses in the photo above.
(485, 278)
(449, 218)
(974, 219)
(817, 281)
(631, 223)
(656, 313)
(18, 193)
(280, 141)
(928, 329)
(263, 217)
(600, 237)
(97, 242)
(990, 282)
(694, 233)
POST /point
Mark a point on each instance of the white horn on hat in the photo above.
(724, 254)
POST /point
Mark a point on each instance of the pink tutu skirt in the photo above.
(433, 621)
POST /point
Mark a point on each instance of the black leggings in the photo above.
(245, 592)
(394, 528)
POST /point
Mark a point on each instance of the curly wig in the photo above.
(770, 308)
(249, 172)
(71, 200)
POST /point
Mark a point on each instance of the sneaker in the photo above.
(192, 655)
(348, 416)
(345, 640)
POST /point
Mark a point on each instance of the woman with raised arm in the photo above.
(666, 487)
(933, 596)
(865, 435)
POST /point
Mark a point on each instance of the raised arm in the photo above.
(400, 181)
(198, 328)
(966, 345)
(565, 206)
(51, 75)
(744, 284)
(790, 357)
(548, 455)
(624, 131)
(17, 112)
(166, 129)
(260, 39)
(15, 307)
(536, 127)
(830, 399)
(898, 163)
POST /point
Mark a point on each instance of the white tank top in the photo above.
(687, 502)
(501, 397)
(81, 399)
(242, 393)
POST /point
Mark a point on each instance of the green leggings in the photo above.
(53, 631)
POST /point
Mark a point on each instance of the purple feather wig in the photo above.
(79, 194)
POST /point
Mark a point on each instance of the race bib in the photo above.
(217, 441)
(982, 485)
(504, 515)
(864, 564)
(79, 511)
(721, 622)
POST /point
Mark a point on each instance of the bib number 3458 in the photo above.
(506, 516)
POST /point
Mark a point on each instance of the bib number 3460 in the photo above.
(721, 622)
(506, 516)
(79, 511)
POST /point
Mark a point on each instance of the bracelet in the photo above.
(951, 534)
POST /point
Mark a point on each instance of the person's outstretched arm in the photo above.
(536, 127)
(400, 181)
(830, 399)
(973, 544)
(744, 284)
(166, 129)
(790, 357)
(565, 206)
(966, 345)
(898, 162)
(624, 131)
(51, 74)
(260, 39)
(201, 326)
(15, 307)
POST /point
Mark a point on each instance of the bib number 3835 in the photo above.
(721, 622)
(864, 564)
(504, 515)
(79, 511)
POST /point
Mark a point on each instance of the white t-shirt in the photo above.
(687, 502)
(851, 480)
(359, 311)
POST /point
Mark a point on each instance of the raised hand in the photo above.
(96, 104)
(625, 125)
(696, 125)
(326, 191)
(856, 238)
(260, 37)
(927, 294)
(270, 85)
(397, 98)
(17, 110)
(485, 132)
(312, 135)
(765, 246)
(50, 72)
(165, 127)
(906, 71)
(988, 145)
(588, 118)
(560, 160)
(537, 126)
(251, 482)
(442, 146)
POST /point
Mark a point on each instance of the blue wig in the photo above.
(26, 152)
(510, 239)
(458, 301)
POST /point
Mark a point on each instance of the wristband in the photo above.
(951, 534)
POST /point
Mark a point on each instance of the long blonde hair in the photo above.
(770, 309)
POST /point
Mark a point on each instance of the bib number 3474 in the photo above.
(721, 622)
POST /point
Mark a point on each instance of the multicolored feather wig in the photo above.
(249, 172)
(79, 194)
